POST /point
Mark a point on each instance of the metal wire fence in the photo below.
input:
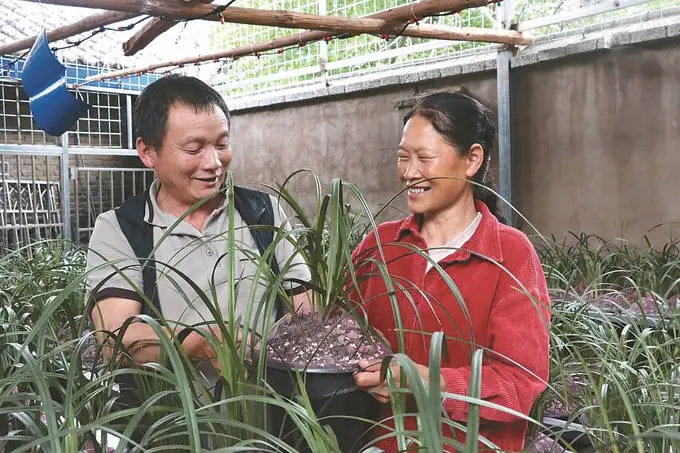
(34, 179)
(340, 56)
(103, 126)
(314, 63)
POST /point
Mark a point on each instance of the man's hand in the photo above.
(302, 303)
(198, 347)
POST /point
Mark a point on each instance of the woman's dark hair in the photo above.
(463, 121)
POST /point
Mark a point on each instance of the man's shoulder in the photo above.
(107, 241)
(106, 218)
(106, 227)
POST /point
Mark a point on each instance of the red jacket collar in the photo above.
(485, 242)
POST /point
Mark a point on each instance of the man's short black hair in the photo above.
(153, 105)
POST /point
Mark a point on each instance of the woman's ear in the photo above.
(475, 158)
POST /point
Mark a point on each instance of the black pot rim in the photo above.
(278, 365)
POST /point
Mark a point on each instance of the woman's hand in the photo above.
(368, 379)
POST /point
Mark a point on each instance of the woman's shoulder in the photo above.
(386, 232)
(513, 240)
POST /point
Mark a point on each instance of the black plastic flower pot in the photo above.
(569, 434)
(336, 401)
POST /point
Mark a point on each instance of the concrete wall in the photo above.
(595, 139)
(352, 137)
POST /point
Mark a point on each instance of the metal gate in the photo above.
(99, 189)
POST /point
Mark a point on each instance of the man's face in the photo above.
(194, 157)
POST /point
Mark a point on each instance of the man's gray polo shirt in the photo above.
(202, 256)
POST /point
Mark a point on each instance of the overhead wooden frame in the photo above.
(86, 24)
(402, 20)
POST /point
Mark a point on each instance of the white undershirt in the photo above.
(439, 253)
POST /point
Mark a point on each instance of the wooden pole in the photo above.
(278, 43)
(292, 20)
(86, 24)
(180, 10)
(150, 31)
(248, 15)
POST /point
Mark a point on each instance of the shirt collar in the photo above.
(485, 242)
(154, 215)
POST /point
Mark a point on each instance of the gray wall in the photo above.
(595, 139)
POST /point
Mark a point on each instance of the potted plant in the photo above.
(313, 355)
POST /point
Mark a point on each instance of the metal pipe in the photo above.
(89, 197)
(101, 197)
(323, 46)
(5, 200)
(77, 203)
(47, 150)
(130, 135)
(20, 208)
(65, 189)
(35, 199)
(504, 19)
(113, 204)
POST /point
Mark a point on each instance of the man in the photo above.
(183, 130)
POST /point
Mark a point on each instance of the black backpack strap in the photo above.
(256, 208)
(139, 234)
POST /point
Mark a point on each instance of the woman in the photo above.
(502, 305)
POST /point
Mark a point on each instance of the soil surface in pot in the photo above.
(311, 341)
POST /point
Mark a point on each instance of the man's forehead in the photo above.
(180, 122)
(203, 108)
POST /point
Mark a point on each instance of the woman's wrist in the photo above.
(424, 372)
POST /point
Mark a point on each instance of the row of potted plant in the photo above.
(613, 384)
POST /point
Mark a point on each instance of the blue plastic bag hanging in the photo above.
(54, 108)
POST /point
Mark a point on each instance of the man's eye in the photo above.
(222, 146)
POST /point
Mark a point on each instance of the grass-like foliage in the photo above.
(614, 348)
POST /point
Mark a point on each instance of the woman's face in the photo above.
(433, 170)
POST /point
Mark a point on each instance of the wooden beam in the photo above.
(150, 31)
(261, 17)
(86, 24)
(491, 35)
(285, 19)
(385, 22)
(278, 43)
(374, 25)
(177, 10)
